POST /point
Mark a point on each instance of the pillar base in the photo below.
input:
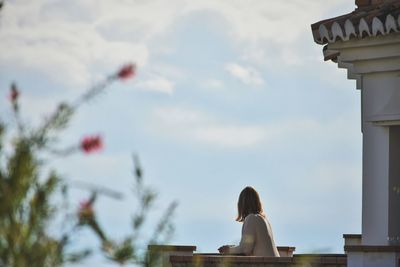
(370, 256)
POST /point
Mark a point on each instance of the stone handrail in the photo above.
(301, 260)
(183, 256)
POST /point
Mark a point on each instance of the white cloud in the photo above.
(247, 75)
(188, 125)
(200, 127)
(213, 84)
(70, 40)
(65, 49)
(231, 136)
(157, 84)
(174, 116)
(270, 31)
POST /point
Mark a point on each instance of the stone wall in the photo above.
(299, 260)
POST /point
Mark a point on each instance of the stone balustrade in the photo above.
(311, 260)
(184, 256)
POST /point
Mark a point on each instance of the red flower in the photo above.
(127, 71)
(86, 206)
(14, 93)
(91, 143)
(85, 211)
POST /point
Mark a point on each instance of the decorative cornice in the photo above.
(373, 20)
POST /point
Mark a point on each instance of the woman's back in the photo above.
(264, 244)
(257, 238)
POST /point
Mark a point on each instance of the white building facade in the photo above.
(367, 43)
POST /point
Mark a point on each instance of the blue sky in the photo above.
(227, 94)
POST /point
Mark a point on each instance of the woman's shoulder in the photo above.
(254, 217)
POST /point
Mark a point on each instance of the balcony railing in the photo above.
(184, 256)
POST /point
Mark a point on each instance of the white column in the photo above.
(376, 93)
(375, 63)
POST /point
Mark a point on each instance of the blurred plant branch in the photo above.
(28, 198)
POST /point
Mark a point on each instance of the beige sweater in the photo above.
(257, 238)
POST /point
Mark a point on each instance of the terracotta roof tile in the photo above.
(371, 18)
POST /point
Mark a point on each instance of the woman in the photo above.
(257, 239)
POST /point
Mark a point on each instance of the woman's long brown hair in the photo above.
(249, 202)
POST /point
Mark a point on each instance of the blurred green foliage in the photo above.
(30, 199)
